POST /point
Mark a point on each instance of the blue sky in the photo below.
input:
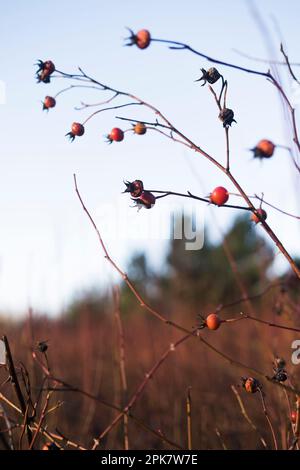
(48, 251)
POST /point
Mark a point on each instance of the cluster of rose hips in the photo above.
(50, 446)
(140, 196)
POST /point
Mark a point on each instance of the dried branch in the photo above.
(189, 417)
(246, 416)
(116, 294)
(268, 418)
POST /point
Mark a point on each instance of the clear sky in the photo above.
(48, 251)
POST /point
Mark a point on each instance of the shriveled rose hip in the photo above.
(115, 135)
(77, 130)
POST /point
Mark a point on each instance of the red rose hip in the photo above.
(264, 149)
(115, 135)
(259, 216)
(49, 102)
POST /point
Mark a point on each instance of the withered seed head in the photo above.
(211, 76)
(42, 346)
(135, 188)
(227, 117)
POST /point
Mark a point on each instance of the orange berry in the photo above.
(213, 321)
(219, 196)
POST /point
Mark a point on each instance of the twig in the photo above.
(189, 417)
(245, 414)
(116, 294)
(268, 323)
(268, 418)
(262, 200)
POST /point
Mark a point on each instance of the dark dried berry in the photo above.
(227, 117)
(279, 362)
(135, 188)
(211, 76)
